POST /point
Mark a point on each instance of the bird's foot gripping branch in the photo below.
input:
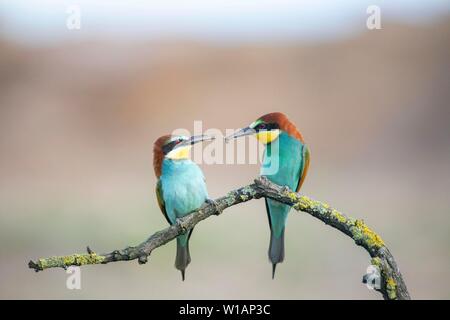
(391, 287)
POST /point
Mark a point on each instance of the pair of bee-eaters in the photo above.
(181, 186)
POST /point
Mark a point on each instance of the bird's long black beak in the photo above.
(200, 138)
(240, 133)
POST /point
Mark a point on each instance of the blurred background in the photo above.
(80, 110)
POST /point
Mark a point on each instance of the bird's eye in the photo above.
(262, 126)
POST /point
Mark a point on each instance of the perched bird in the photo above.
(181, 186)
(285, 162)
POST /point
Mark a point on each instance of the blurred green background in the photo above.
(80, 110)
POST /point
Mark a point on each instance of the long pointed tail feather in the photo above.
(276, 250)
(183, 257)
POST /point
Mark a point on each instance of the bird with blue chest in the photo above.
(181, 186)
(286, 148)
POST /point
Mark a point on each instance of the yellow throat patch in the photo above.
(266, 137)
(179, 153)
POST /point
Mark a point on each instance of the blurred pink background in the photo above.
(79, 113)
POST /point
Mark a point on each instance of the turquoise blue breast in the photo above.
(283, 161)
(183, 187)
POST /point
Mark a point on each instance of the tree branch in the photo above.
(391, 286)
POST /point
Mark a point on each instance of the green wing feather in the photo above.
(159, 196)
(305, 166)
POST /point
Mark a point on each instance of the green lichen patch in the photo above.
(71, 260)
(376, 262)
(361, 232)
(338, 216)
(243, 197)
(293, 196)
(304, 203)
(248, 191)
(391, 288)
(229, 199)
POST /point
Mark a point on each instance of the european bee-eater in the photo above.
(181, 186)
(285, 164)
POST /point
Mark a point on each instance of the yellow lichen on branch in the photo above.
(338, 216)
(364, 233)
(391, 287)
(70, 260)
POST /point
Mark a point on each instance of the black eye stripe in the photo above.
(266, 126)
(169, 146)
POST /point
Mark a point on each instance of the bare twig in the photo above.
(392, 284)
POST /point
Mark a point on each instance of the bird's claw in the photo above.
(181, 226)
(214, 203)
